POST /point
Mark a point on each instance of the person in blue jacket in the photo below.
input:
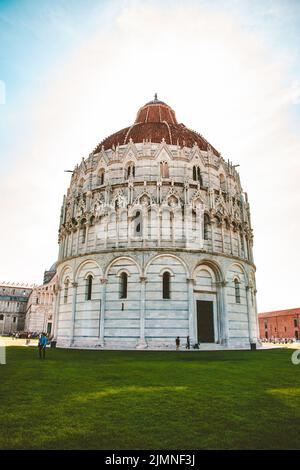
(42, 345)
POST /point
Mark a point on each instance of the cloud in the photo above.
(222, 80)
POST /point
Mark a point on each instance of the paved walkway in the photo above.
(276, 346)
(8, 341)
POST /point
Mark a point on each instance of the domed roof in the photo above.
(154, 122)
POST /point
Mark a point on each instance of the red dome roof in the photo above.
(154, 122)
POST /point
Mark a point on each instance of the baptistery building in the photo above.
(155, 242)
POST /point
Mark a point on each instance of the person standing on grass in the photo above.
(188, 344)
(177, 342)
(42, 345)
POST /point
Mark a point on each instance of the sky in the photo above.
(74, 72)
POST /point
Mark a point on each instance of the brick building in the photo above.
(279, 324)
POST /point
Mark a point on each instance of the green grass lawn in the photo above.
(149, 400)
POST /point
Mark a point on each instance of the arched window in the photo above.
(123, 285)
(1, 317)
(166, 285)
(194, 173)
(131, 170)
(237, 291)
(89, 287)
(242, 242)
(194, 222)
(83, 234)
(206, 227)
(138, 224)
(101, 176)
(81, 183)
(66, 292)
(197, 174)
(164, 169)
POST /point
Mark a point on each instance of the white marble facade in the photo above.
(40, 307)
(154, 239)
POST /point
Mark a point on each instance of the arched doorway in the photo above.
(206, 306)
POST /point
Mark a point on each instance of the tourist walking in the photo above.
(188, 344)
(42, 345)
(177, 342)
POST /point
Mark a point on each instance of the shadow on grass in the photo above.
(149, 400)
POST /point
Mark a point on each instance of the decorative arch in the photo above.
(67, 283)
(163, 270)
(130, 169)
(242, 270)
(197, 174)
(81, 266)
(196, 158)
(66, 272)
(119, 258)
(214, 266)
(100, 176)
(123, 270)
(164, 169)
(89, 273)
(181, 261)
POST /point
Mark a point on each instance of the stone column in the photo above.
(117, 219)
(73, 315)
(199, 229)
(251, 249)
(86, 237)
(144, 225)
(245, 246)
(159, 222)
(56, 311)
(65, 245)
(212, 232)
(105, 228)
(77, 241)
(142, 344)
(187, 224)
(239, 243)
(223, 314)
(231, 241)
(192, 317)
(222, 237)
(129, 229)
(102, 312)
(172, 227)
(255, 313)
(71, 248)
(60, 249)
(251, 320)
(96, 227)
